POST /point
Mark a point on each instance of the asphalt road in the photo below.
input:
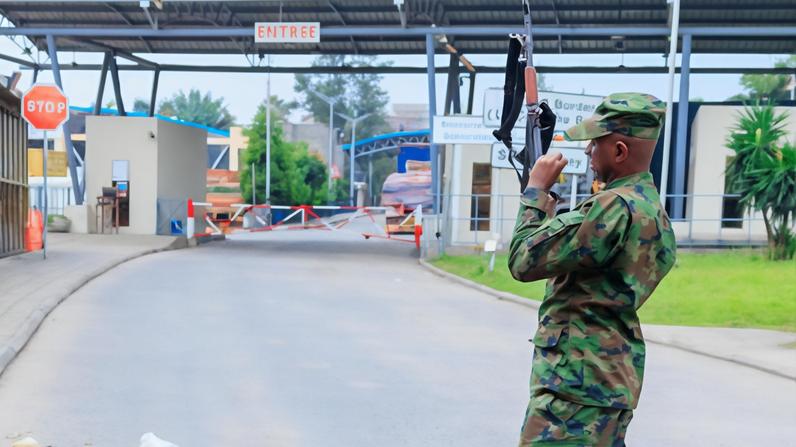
(320, 339)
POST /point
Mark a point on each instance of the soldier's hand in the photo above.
(546, 170)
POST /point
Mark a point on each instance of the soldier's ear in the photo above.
(621, 151)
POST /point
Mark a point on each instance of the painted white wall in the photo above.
(182, 162)
(166, 161)
(710, 130)
(123, 138)
(459, 162)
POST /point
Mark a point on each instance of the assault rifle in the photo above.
(521, 84)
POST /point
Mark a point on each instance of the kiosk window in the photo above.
(480, 201)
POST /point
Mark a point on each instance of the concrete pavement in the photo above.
(311, 338)
(30, 287)
(766, 350)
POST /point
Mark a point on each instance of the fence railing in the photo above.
(58, 198)
(13, 177)
(706, 220)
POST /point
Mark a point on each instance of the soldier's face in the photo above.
(601, 161)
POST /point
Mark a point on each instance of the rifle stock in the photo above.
(531, 90)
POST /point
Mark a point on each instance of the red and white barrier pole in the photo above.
(190, 227)
(418, 225)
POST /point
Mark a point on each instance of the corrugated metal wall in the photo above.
(13, 175)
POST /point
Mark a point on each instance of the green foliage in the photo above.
(223, 189)
(357, 95)
(763, 172)
(727, 289)
(297, 177)
(140, 105)
(199, 109)
(767, 87)
(339, 193)
(280, 109)
(53, 217)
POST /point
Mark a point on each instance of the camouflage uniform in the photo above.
(603, 259)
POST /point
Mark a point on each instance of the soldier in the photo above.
(603, 260)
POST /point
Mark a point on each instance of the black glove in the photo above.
(547, 124)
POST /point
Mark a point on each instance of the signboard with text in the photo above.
(466, 130)
(570, 108)
(578, 161)
(500, 155)
(282, 32)
(56, 163)
(45, 107)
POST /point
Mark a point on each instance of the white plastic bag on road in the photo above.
(26, 442)
(150, 440)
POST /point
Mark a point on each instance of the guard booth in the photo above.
(13, 174)
(141, 173)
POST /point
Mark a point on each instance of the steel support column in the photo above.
(452, 96)
(117, 87)
(680, 161)
(471, 94)
(674, 12)
(154, 96)
(436, 187)
(70, 148)
(101, 87)
(432, 110)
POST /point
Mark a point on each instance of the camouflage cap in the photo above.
(633, 114)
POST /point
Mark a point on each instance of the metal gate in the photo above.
(13, 175)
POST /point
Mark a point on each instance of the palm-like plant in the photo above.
(198, 109)
(763, 172)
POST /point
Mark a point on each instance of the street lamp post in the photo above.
(329, 100)
(353, 150)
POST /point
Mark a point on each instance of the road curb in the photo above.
(28, 328)
(516, 299)
(502, 296)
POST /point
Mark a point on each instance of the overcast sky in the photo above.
(242, 92)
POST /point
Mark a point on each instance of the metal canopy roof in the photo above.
(384, 14)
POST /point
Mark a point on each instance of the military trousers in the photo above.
(553, 421)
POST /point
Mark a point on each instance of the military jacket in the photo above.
(603, 260)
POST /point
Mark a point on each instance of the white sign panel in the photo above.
(281, 32)
(466, 130)
(120, 170)
(578, 160)
(500, 155)
(570, 109)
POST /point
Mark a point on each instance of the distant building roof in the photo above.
(393, 138)
(106, 111)
(178, 16)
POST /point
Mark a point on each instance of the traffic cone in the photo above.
(34, 230)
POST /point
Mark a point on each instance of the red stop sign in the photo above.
(45, 107)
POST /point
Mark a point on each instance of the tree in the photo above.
(357, 94)
(281, 109)
(768, 87)
(297, 177)
(199, 109)
(763, 172)
(140, 105)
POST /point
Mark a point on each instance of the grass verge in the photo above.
(727, 289)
